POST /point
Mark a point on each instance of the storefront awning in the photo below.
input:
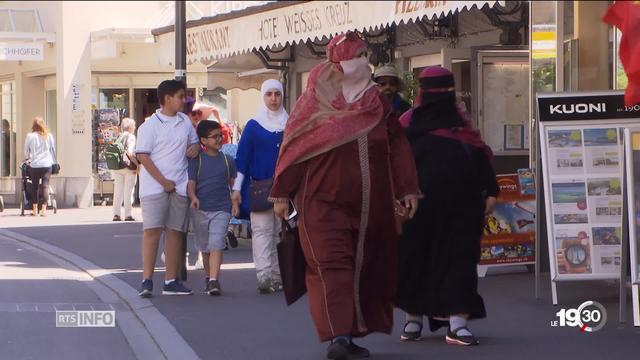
(285, 23)
(242, 72)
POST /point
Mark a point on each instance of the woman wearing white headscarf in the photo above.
(256, 161)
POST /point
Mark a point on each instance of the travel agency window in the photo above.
(8, 154)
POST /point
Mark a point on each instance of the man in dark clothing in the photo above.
(390, 86)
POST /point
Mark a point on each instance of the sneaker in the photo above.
(176, 288)
(199, 265)
(116, 218)
(231, 238)
(411, 335)
(213, 288)
(146, 290)
(453, 338)
(265, 286)
(129, 218)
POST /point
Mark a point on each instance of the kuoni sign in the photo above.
(21, 52)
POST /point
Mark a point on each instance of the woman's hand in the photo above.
(411, 205)
(282, 210)
(490, 204)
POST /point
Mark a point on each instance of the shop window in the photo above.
(114, 99)
(8, 153)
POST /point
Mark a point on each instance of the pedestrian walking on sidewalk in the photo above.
(40, 152)
(256, 158)
(125, 179)
(440, 248)
(387, 77)
(211, 175)
(165, 141)
(343, 162)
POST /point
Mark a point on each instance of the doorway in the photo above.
(145, 103)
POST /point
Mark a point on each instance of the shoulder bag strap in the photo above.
(226, 161)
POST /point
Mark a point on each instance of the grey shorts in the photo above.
(210, 229)
(168, 210)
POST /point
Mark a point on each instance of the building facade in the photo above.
(66, 61)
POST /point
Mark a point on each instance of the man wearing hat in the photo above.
(386, 76)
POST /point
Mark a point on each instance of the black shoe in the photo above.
(231, 238)
(411, 335)
(454, 339)
(146, 290)
(176, 288)
(338, 350)
(116, 218)
(358, 352)
(213, 288)
(129, 218)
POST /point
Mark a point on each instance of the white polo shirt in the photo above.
(165, 139)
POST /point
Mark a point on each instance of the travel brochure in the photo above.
(509, 233)
(586, 192)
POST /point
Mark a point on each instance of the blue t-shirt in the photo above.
(212, 180)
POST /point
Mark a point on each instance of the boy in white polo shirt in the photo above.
(164, 142)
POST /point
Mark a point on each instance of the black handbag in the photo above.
(55, 167)
(259, 195)
(293, 265)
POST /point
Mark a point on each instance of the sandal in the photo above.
(453, 338)
(116, 218)
(411, 335)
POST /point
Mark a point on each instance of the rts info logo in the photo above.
(590, 316)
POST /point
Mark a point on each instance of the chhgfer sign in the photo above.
(21, 52)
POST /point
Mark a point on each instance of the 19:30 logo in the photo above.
(590, 316)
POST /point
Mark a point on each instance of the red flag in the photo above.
(625, 15)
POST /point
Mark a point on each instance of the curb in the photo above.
(148, 332)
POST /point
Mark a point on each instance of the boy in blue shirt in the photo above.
(210, 176)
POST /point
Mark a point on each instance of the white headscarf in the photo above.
(272, 121)
(357, 78)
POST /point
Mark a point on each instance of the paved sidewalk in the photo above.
(242, 324)
(33, 287)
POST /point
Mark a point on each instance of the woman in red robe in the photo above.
(343, 161)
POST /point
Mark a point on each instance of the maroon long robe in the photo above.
(351, 275)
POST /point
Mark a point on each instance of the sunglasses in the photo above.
(387, 82)
(196, 112)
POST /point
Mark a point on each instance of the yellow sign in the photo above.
(543, 45)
